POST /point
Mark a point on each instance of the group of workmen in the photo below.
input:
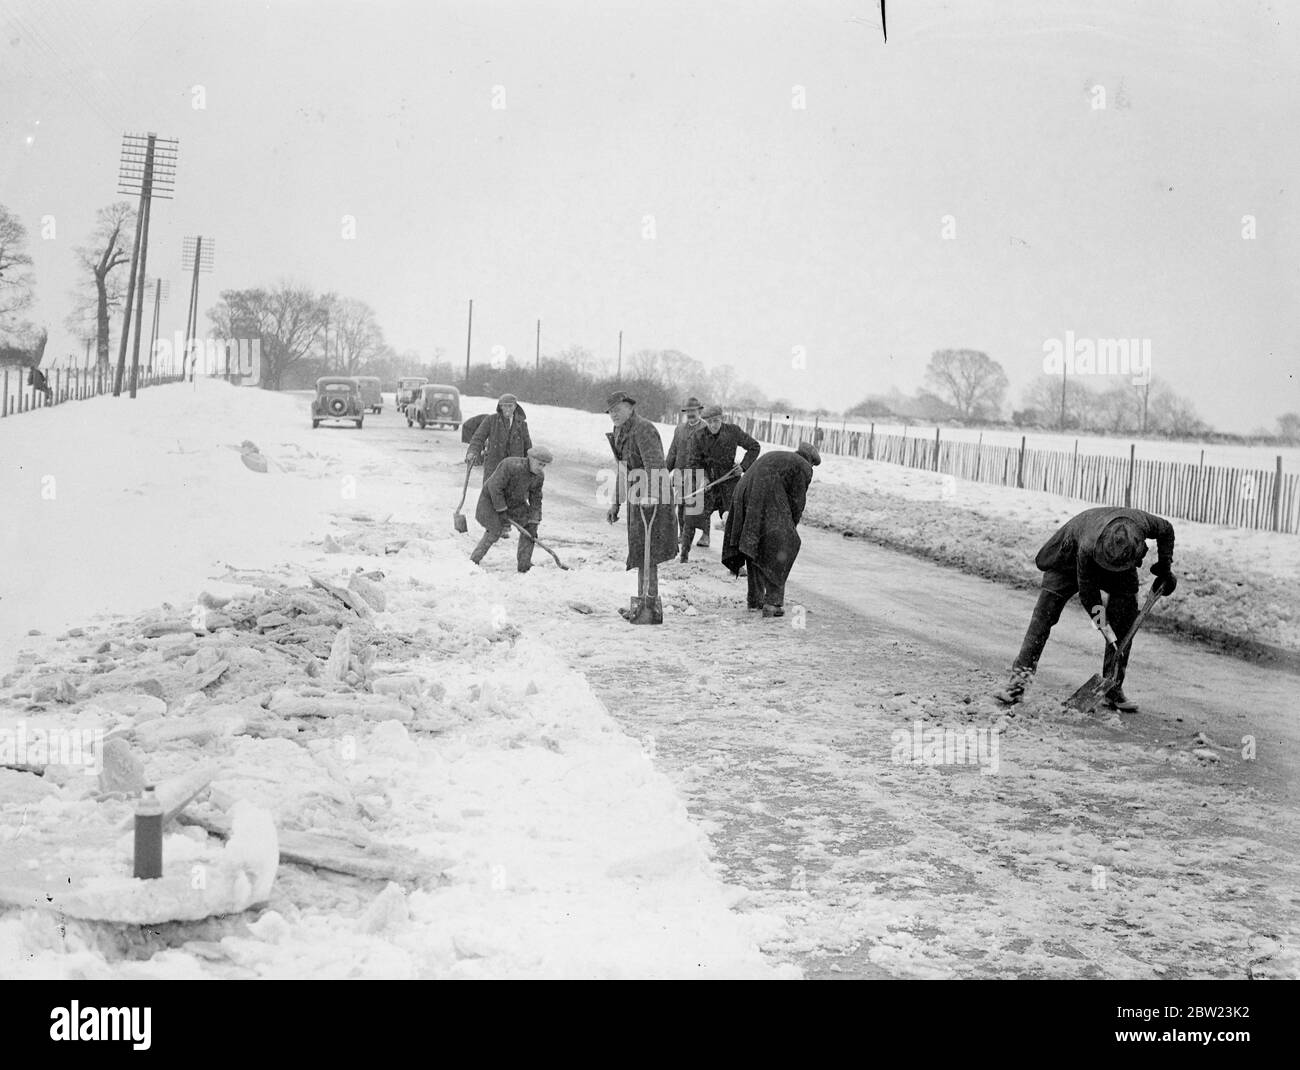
(1096, 554)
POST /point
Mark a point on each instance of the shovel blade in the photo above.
(1091, 693)
(458, 521)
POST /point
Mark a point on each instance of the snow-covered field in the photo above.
(1183, 452)
(550, 845)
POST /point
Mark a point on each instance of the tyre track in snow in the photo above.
(1100, 848)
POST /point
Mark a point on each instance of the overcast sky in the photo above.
(774, 226)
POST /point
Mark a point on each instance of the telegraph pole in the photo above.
(537, 360)
(469, 334)
(147, 167)
(620, 356)
(197, 253)
(162, 290)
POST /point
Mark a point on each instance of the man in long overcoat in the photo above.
(503, 434)
(1097, 550)
(512, 492)
(713, 452)
(762, 524)
(637, 445)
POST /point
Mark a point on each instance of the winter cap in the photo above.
(510, 398)
(1120, 546)
(809, 453)
(692, 403)
(541, 453)
(711, 413)
(615, 398)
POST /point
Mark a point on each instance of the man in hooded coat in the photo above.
(762, 524)
(1097, 550)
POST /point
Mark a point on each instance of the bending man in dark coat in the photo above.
(762, 524)
(512, 492)
(503, 434)
(637, 445)
(713, 452)
(1097, 550)
(678, 462)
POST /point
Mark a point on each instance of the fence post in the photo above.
(979, 457)
(871, 440)
(1020, 468)
(1074, 475)
(1277, 496)
(1128, 490)
(936, 449)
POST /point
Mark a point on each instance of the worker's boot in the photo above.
(1116, 700)
(773, 611)
(1015, 688)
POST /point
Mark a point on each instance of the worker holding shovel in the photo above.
(651, 518)
(513, 493)
(1097, 550)
(712, 450)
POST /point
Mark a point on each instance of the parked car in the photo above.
(371, 397)
(408, 389)
(337, 398)
(437, 405)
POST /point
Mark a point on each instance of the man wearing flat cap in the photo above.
(1096, 550)
(513, 492)
(713, 457)
(761, 532)
(636, 445)
(677, 462)
(503, 434)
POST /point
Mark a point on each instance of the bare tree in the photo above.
(16, 279)
(971, 382)
(1043, 395)
(582, 360)
(722, 384)
(1171, 413)
(1288, 426)
(289, 319)
(358, 339)
(109, 248)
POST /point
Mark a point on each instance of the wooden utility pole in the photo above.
(201, 251)
(469, 334)
(620, 361)
(125, 340)
(146, 195)
(537, 358)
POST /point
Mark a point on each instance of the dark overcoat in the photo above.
(638, 445)
(1072, 550)
(716, 455)
(494, 441)
(765, 513)
(514, 489)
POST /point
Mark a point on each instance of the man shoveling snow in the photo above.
(1097, 550)
(512, 492)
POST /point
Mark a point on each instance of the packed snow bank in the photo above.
(1237, 587)
(513, 829)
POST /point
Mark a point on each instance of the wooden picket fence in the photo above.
(67, 384)
(1264, 499)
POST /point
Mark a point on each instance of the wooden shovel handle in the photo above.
(1152, 595)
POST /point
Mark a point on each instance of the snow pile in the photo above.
(449, 799)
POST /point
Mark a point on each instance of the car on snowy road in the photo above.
(371, 396)
(337, 398)
(437, 406)
(408, 389)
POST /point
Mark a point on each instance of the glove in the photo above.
(504, 518)
(1099, 622)
(1166, 581)
(471, 457)
(611, 514)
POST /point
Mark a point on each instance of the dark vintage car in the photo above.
(371, 396)
(408, 390)
(337, 398)
(437, 406)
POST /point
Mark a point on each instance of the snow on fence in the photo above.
(1237, 497)
(65, 384)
